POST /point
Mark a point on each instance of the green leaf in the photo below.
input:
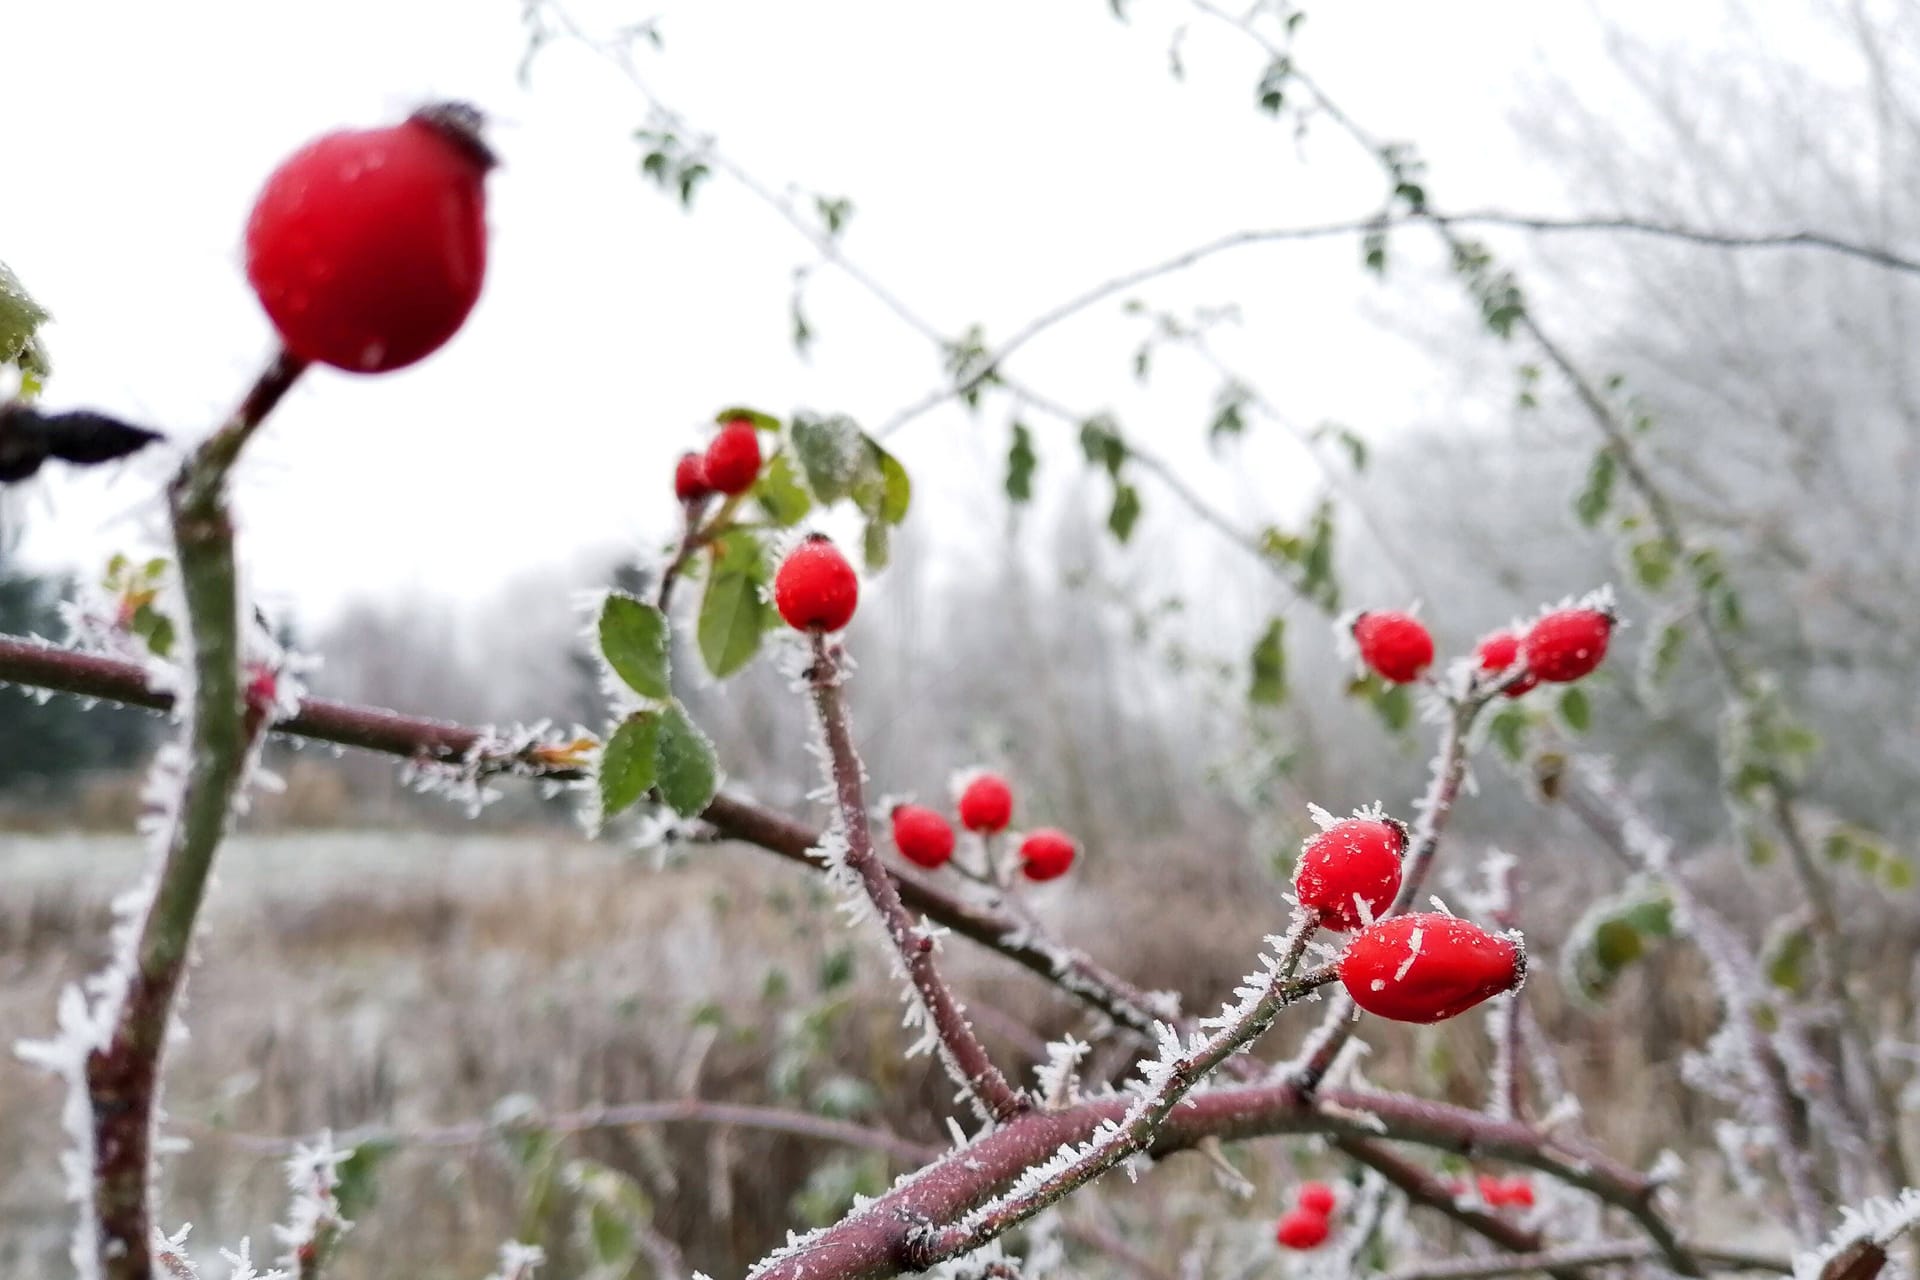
(20, 321)
(1596, 495)
(1667, 648)
(836, 969)
(1355, 445)
(1575, 709)
(1269, 687)
(1021, 463)
(633, 639)
(611, 1235)
(359, 1175)
(687, 770)
(1271, 92)
(1393, 703)
(1787, 957)
(1126, 511)
(628, 762)
(1652, 560)
(761, 421)
(779, 493)
(1509, 728)
(733, 616)
(1611, 937)
(883, 490)
(1100, 441)
(1896, 873)
(1229, 418)
(830, 452)
(876, 545)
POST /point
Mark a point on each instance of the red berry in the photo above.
(733, 458)
(690, 478)
(1046, 854)
(1315, 1197)
(1518, 1193)
(263, 687)
(368, 247)
(986, 805)
(1567, 644)
(816, 589)
(1498, 653)
(1492, 1190)
(1428, 966)
(1396, 645)
(1354, 858)
(923, 836)
(1302, 1229)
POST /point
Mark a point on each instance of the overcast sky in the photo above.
(1001, 155)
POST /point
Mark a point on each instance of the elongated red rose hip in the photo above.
(1301, 1229)
(690, 478)
(922, 836)
(1499, 654)
(1428, 967)
(1567, 644)
(368, 247)
(1046, 854)
(1396, 646)
(1354, 862)
(815, 588)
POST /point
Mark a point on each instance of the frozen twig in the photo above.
(966, 1057)
(1603, 1253)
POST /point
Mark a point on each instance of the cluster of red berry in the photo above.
(1560, 647)
(985, 806)
(729, 466)
(1497, 1193)
(1310, 1221)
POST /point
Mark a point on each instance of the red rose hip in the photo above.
(733, 458)
(368, 247)
(922, 836)
(1567, 644)
(816, 589)
(1315, 1197)
(1301, 1229)
(1428, 966)
(690, 478)
(1396, 646)
(1046, 854)
(1354, 861)
(986, 804)
(1499, 653)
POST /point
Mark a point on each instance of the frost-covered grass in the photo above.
(403, 980)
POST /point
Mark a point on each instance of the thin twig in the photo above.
(962, 1051)
(1601, 1254)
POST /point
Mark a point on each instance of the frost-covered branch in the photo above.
(35, 665)
(127, 1027)
(966, 1058)
(1183, 1063)
(1602, 1253)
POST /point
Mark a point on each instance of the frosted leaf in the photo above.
(313, 1176)
(1876, 1222)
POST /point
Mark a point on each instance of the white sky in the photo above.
(1001, 154)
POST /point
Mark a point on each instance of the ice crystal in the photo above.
(1874, 1223)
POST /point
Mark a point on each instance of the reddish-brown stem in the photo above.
(965, 1056)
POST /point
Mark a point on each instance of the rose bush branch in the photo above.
(1179, 1069)
(1573, 1259)
(962, 1051)
(123, 1071)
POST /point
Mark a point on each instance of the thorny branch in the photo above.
(962, 1051)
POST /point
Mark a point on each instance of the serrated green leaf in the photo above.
(687, 771)
(1125, 513)
(1509, 728)
(1575, 710)
(628, 762)
(830, 451)
(1269, 662)
(1021, 464)
(633, 640)
(1596, 495)
(779, 493)
(733, 616)
(884, 490)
